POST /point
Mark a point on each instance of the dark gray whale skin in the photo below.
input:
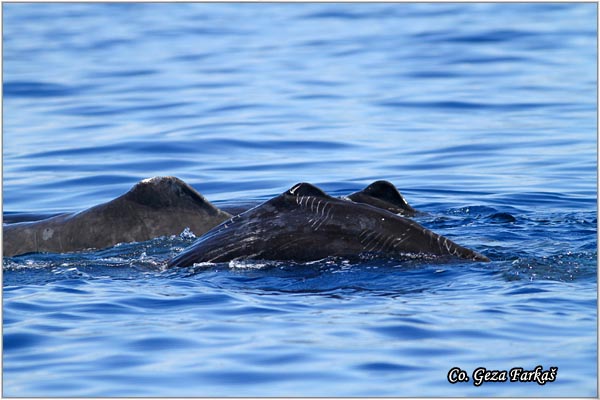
(382, 194)
(305, 224)
(153, 207)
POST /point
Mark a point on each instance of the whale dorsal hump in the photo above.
(305, 189)
(166, 192)
(383, 194)
(385, 190)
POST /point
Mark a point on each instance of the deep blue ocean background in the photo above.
(483, 115)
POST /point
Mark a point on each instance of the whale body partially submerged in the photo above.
(302, 224)
(305, 224)
(153, 207)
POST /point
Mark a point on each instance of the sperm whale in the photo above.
(153, 207)
(305, 224)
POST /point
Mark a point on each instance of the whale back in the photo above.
(305, 224)
(153, 207)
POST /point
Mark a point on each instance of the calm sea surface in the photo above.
(483, 115)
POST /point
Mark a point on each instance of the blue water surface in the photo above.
(483, 115)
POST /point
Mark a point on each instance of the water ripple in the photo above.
(484, 115)
(464, 105)
(37, 89)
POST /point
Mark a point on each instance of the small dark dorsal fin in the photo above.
(305, 189)
(384, 195)
(384, 190)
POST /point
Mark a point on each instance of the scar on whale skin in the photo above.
(166, 206)
(154, 207)
(305, 224)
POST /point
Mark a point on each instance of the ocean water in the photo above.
(483, 115)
